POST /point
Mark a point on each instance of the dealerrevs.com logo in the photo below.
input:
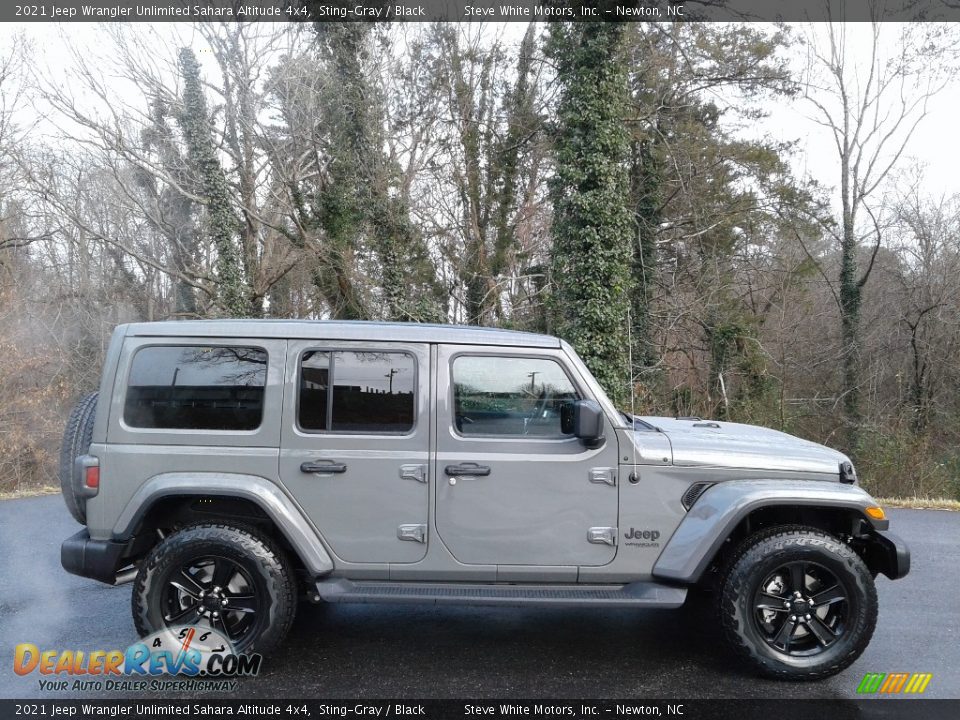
(197, 659)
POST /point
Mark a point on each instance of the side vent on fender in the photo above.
(693, 493)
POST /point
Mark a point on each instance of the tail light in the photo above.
(87, 476)
(91, 477)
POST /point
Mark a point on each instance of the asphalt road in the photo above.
(372, 651)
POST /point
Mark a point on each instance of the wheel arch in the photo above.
(248, 498)
(730, 511)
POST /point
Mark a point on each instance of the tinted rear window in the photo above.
(357, 392)
(196, 388)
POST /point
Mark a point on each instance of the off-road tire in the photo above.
(76, 441)
(763, 553)
(264, 561)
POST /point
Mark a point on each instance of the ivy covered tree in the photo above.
(361, 206)
(592, 225)
(221, 222)
(171, 211)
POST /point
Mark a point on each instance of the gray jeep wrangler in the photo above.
(233, 468)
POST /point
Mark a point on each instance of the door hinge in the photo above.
(414, 472)
(603, 475)
(602, 536)
(412, 533)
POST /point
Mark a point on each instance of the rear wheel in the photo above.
(797, 603)
(231, 579)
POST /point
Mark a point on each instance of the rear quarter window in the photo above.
(192, 387)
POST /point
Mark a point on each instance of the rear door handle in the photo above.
(467, 470)
(323, 466)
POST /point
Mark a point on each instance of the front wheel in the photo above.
(231, 579)
(797, 603)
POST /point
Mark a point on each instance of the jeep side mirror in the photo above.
(588, 422)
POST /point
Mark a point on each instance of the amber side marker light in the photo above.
(876, 513)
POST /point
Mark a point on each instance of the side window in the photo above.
(357, 392)
(196, 388)
(510, 396)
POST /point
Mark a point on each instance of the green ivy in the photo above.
(222, 224)
(592, 225)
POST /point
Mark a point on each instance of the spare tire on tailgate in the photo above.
(76, 441)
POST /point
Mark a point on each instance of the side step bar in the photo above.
(637, 594)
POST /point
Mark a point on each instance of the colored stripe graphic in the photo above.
(918, 683)
(871, 682)
(894, 683)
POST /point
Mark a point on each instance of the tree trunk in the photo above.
(645, 180)
(850, 294)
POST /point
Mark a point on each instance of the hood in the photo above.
(725, 444)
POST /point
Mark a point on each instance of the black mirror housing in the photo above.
(588, 422)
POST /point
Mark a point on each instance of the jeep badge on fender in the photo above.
(230, 467)
(633, 534)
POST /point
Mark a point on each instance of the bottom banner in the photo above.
(889, 709)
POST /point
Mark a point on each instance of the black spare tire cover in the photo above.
(76, 441)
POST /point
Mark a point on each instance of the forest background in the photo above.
(618, 185)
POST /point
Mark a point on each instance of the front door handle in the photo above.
(323, 466)
(467, 470)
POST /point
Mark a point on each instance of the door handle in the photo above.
(467, 470)
(323, 466)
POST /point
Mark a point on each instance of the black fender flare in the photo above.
(267, 495)
(720, 509)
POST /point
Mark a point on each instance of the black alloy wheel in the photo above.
(801, 608)
(215, 592)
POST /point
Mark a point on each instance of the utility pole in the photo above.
(393, 371)
(533, 377)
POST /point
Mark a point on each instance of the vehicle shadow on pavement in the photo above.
(448, 651)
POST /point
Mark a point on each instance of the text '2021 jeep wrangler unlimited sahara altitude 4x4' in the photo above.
(233, 467)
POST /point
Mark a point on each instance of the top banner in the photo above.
(480, 11)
